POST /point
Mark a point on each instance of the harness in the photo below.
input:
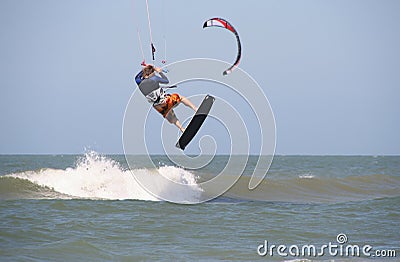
(156, 96)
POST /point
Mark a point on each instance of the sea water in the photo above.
(91, 208)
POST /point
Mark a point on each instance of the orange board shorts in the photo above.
(170, 101)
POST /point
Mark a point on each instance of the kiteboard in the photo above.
(196, 122)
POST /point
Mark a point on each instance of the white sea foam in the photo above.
(306, 176)
(99, 177)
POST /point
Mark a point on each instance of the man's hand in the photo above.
(158, 69)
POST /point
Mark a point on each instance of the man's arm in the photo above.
(163, 79)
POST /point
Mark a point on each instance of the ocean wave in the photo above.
(309, 188)
(100, 177)
(96, 177)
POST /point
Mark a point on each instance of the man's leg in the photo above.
(187, 102)
(171, 117)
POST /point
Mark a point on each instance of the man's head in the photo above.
(148, 70)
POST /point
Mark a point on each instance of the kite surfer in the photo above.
(149, 84)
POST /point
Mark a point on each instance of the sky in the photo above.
(330, 69)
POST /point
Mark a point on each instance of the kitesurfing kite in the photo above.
(220, 22)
